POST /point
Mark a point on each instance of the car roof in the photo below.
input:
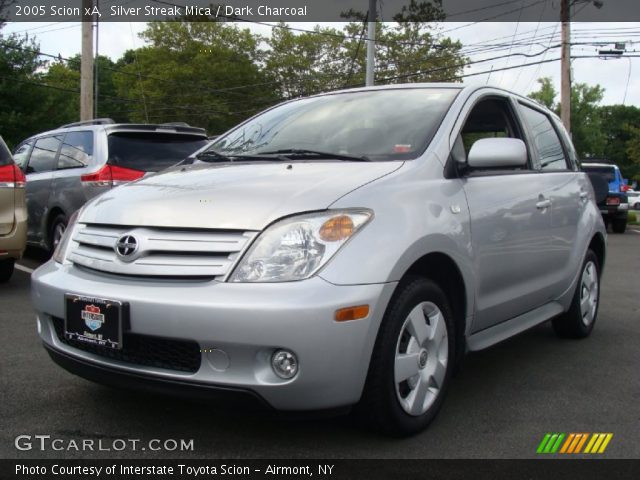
(598, 164)
(126, 127)
(464, 88)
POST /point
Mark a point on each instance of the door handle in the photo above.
(542, 204)
(584, 196)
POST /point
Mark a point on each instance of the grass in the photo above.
(633, 219)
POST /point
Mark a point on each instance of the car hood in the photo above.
(245, 196)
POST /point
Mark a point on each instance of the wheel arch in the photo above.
(51, 215)
(444, 271)
(598, 245)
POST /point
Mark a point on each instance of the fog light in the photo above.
(284, 364)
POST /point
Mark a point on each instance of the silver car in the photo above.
(345, 249)
(74, 163)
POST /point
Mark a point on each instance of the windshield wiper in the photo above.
(213, 156)
(304, 153)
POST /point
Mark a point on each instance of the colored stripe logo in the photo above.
(573, 443)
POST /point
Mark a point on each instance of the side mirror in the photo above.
(497, 153)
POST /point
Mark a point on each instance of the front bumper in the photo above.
(237, 327)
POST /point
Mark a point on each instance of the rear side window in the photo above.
(45, 152)
(608, 173)
(550, 152)
(5, 154)
(76, 151)
(21, 155)
(151, 152)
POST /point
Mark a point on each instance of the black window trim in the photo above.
(55, 160)
(451, 168)
(93, 140)
(555, 129)
(25, 142)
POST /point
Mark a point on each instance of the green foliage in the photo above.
(546, 95)
(620, 126)
(190, 72)
(23, 105)
(586, 123)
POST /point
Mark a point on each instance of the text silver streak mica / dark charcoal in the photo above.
(341, 250)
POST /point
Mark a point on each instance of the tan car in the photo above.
(13, 213)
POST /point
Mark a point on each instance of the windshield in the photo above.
(608, 173)
(151, 151)
(380, 125)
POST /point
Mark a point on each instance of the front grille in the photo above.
(147, 350)
(161, 252)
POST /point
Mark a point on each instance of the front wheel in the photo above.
(412, 361)
(578, 322)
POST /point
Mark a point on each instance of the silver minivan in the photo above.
(345, 249)
(74, 163)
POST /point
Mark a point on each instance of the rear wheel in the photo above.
(412, 361)
(6, 269)
(578, 322)
(619, 226)
(56, 231)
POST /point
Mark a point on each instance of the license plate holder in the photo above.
(94, 321)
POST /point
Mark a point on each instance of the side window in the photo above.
(21, 155)
(76, 151)
(490, 118)
(43, 157)
(5, 154)
(545, 138)
(574, 161)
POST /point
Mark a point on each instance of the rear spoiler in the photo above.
(143, 127)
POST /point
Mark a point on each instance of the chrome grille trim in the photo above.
(162, 252)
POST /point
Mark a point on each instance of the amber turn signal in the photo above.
(336, 229)
(352, 313)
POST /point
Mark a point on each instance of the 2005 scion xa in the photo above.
(343, 249)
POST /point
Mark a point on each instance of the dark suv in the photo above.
(615, 207)
(74, 163)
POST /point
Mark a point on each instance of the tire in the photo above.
(56, 229)
(579, 321)
(6, 269)
(405, 407)
(619, 226)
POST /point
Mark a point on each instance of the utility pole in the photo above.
(86, 64)
(565, 88)
(371, 43)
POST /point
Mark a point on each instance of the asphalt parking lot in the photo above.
(500, 405)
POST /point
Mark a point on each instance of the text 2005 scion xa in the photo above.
(343, 249)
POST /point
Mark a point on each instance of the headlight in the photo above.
(61, 250)
(297, 247)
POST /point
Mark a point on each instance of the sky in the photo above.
(620, 77)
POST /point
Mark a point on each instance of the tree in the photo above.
(546, 95)
(22, 100)
(195, 72)
(410, 50)
(620, 124)
(586, 123)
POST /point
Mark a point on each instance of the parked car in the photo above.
(611, 173)
(634, 199)
(338, 250)
(13, 214)
(70, 165)
(615, 207)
